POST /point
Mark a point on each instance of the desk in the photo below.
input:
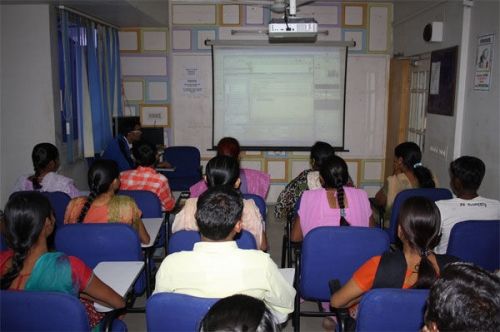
(163, 169)
(288, 274)
(120, 276)
(153, 226)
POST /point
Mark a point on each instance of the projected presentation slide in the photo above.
(279, 96)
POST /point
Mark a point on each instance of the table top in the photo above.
(153, 226)
(288, 274)
(120, 276)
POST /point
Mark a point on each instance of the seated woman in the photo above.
(46, 162)
(416, 266)
(224, 171)
(102, 205)
(334, 204)
(28, 221)
(307, 180)
(252, 181)
(408, 173)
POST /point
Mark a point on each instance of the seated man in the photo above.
(216, 267)
(129, 131)
(465, 298)
(145, 177)
(466, 174)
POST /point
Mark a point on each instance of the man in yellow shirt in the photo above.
(217, 268)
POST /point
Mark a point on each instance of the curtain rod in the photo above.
(88, 16)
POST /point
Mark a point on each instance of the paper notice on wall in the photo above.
(484, 58)
(192, 85)
(435, 74)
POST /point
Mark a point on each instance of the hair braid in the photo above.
(86, 206)
(339, 187)
(17, 265)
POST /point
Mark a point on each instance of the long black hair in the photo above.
(320, 152)
(41, 156)
(420, 223)
(222, 171)
(335, 175)
(24, 217)
(101, 175)
(412, 159)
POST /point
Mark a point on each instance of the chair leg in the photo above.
(283, 251)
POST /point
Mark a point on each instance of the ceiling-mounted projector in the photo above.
(293, 29)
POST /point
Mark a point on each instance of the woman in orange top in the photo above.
(416, 266)
(102, 205)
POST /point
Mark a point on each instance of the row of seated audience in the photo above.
(216, 267)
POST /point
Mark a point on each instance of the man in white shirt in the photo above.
(217, 268)
(466, 175)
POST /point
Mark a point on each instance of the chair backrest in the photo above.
(335, 252)
(434, 194)
(176, 312)
(41, 311)
(147, 202)
(392, 310)
(476, 241)
(185, 159)
(58, 200)
(185, 240)
(260, 202)
(95, 243)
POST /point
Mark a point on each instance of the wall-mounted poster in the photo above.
(443, 81)
(484, 58)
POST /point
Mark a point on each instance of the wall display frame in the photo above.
(154, 115)
(354, 15)
(130, 40)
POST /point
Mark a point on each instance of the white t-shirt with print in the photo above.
(456, 210)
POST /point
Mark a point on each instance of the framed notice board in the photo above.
(443, 81)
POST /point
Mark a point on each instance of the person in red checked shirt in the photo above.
(145, 177)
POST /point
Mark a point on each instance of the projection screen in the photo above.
(279, 96)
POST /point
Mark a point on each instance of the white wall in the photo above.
(481, 130)
(27, 89)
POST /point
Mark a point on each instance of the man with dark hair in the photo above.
(145, 177)
(465, 298)
(216, 267)
(129, 131)
(466, 175)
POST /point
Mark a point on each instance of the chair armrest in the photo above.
(344, 320)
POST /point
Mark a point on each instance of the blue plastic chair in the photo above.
(332, 252)
(150, 206)
(58, 200)
(95, 243)
(186, 160)
(176, 312)
(392, 310)
(434, 194)
(45, 311)
(185, 240)
(476, 241)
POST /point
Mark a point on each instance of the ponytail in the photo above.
(420, 223)
(335, 175)
(86, 206)
(41, 156)
(101, 175)
(424, 176)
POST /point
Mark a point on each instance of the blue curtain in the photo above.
(90, 84)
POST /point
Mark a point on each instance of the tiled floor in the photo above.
(137, 321)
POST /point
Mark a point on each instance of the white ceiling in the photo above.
(121, 13)
(136, 13)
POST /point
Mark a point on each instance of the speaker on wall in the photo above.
(433, 32)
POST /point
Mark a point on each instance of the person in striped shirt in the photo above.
(145, 177)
